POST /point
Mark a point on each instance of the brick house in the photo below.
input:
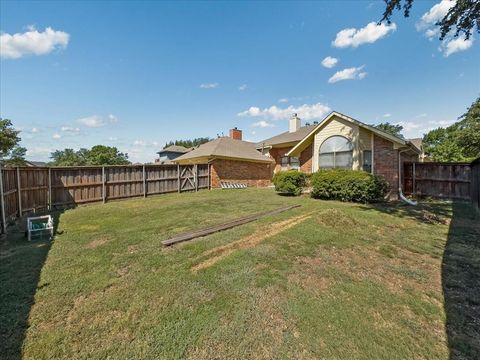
(338, 141)
(232, 160)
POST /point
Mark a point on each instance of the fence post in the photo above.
(103, 184)
(196, 177)
(19, 193)
(49, 188)
(144, 183)
(413, 180)
(209, 186)
(2, 202)
(179, 178)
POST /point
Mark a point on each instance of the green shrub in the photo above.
(348, 185)
(289, 182)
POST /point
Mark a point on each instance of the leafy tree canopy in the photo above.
(458, 142)
(189, 143)
(464, 16)
(97, 155)
(392, 129)
(11, 152)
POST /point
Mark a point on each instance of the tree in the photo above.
(464, 16)
(10, 152)
(457, 142)
(189, 143)
(97, 155)
(392, 129)
(8, 138)
(106, 155)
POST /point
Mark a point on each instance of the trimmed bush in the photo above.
(348, 185)
(289, 182)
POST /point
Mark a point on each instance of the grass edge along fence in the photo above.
(25, 190)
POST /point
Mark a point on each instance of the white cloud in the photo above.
(139, 142)
(329, 62)
(93, 121)
(56, 136)
(112, 119)
(451, 46)
(32, 42)
(242, 87)
(70, 129)
(283, 100)
(387, 115)
(263, 124)
(354, 73)
(209, 85)
(305, 111)
(436, 13)
(38, 151)
(366, 35)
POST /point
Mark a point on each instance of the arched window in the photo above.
(336, 152)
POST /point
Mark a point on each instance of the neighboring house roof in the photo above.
(226, 148)
(176, 149)
(36, 163)
(287, 137)
(301, 145)
(417, 142)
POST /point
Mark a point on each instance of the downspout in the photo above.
(400, 192)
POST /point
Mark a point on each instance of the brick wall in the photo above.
(243, 172)
(305, 157)
(385, 160)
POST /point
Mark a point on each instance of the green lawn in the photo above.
(326, 280)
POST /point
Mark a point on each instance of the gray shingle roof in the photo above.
(287, 137)
(227, 148)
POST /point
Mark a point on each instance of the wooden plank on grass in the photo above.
(225, 226)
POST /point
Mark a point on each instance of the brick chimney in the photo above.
(294, 123)
(236, 134)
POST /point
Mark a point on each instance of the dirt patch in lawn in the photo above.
(335, 218)
(250, 241)
(97, 242)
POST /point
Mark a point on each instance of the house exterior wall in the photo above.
(338, 126)
(305, 158)
(244, 172)
(385, 163)
(167, 156)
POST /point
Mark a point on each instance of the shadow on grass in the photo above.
(461, 283)
(21, 262)
(460, 269)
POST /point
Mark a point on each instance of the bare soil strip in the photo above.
(250, 241)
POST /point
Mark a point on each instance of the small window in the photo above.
(284, 162)
(367, 161)
(295, 163)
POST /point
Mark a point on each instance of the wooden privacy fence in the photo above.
(25, 190)
(439, 180)
(475, 166)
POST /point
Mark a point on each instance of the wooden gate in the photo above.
(188, 178)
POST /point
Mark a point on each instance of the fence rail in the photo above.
(25, 190)
(439, 180)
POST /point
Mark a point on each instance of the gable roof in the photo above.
(225, 147)
(287, 137)
(176, 149)
(373, 129)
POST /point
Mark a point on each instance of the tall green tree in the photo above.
(10, 150)
(457, 142)
(97, 155)
(463, 17)
(392, 129)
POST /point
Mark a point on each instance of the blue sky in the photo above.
(137, 74)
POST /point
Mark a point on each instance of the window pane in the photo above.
(343, 160)
(295, 162)
(367, 161)
(284, 161)
(326, 160)
(335, 144)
